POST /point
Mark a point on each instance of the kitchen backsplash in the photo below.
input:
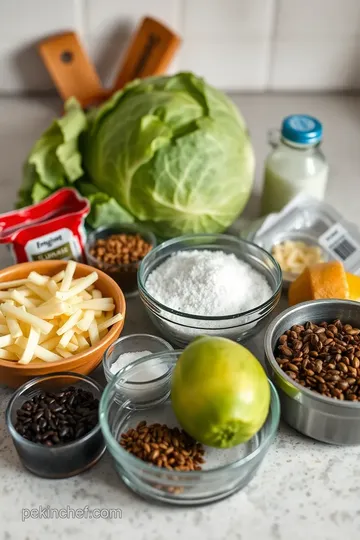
(241, 45)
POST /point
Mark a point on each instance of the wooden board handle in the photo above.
(70, 68)
(149, 53)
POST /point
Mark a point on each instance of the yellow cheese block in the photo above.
(354, 286)
(323, 280)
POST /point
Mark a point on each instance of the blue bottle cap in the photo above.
(302, 129)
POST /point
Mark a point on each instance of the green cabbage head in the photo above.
(171, 152)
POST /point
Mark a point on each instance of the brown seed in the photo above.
(319, 366)
(321, 356)
(147, 448)
(343, 367)
(285, 350)
(346, 360)
(154, 454)
(292, 367)
(320, 330)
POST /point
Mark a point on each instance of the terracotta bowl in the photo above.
(13, 374)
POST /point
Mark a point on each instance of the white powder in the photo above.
(208, 283)
(125, 359)
(148, 373)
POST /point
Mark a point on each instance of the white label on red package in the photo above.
(61, 244)
(51, 229)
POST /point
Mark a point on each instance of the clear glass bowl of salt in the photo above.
(126, 350)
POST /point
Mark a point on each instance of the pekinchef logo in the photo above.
(68, 512)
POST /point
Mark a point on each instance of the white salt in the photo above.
(208, 283)
(147, 373)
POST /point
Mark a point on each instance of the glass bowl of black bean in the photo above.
(54, 424)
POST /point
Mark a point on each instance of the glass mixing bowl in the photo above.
(225, 471)
(181, 328)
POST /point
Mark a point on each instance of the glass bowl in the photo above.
(125, 275)
(224, 472)
(130, 344)
(295, 236)
(181, 328)
(62, 460)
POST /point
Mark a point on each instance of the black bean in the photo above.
(63, 432)
(23, 412)
(38, 414)
(42, 423)
(49, 418)
(56, 409)
(79, 432)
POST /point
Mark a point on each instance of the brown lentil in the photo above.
(185, 453)
(323, 357)
(119, 249)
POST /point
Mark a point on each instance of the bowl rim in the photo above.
(72, 360)
(126, 228)
(34, 382)
(270, 357)
(115, 447)
(241, 241)
(159, 339)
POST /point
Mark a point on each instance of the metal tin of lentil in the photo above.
(319, 417)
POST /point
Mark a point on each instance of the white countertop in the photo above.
(304, 489)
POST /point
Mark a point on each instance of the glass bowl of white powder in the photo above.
(209, 284)
(129, 348)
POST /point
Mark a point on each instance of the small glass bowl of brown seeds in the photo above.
(117, 250)
(156, 458)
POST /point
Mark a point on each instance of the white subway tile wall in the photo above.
(245, 45)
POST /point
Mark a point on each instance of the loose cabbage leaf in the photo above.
(55, 159)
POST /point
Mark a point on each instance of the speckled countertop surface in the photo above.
(304, 489)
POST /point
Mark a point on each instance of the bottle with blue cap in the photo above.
(296, 163)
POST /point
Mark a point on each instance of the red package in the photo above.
(51, 229)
